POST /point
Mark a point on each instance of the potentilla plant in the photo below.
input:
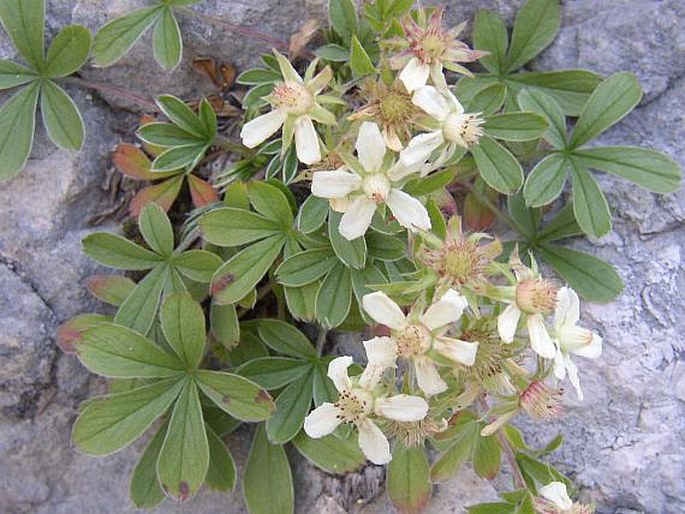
(358, 201)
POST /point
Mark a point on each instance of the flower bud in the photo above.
(536, 296)
(542, 402)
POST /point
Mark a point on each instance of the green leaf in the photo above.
(546, 180)
(301, 301)
(61, 117)
(409, 487)
(487, 457)
(536, 25)
(360, 62)
(492, 508)
(197, 265)
(167, 41)
(167, 135)
(273, 372)
(323, 387)
(256, 76)
(68, 52)
(537, 101)
(334, 299)
(489, 33)
(267, 480)
(13, 74)
(111, 289)
(612, 100)
(593, 279)
(17, 126)
(589, 204)
(351, 253)
(221, 474)
(180, 114)
(117, 252)
(284, 338)
(236, 395)
(179, 157)
(116, 351)
(109, 423)
(270, 202)
(385, 247)
(330, 453)
(648, 168)
(145, 490)
(426, 185)
(343, 14)
(333, 53)
(140, 308)
(117, 37)
(243, 271)
(183, 324)
(292, 406)
(452, 459)
(224, 324)
(24, 22)
(516, 126)
(312, 214)
(156, 229)
(569, 88)
(184, 458)
(228, 226)
(488, 100)
(498, 167)
(563, 225)
(306, 267)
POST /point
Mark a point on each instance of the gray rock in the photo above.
(623, 444)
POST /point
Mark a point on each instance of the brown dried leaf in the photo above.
(201, 191)
(302, 37)
(162, 194)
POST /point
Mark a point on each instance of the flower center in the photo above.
(396, 107)
(353, 405)
(412, 341)
(463, 129)
(432, 47)
(461, 262)
(536, 296)
(292, 97)
(377, 187)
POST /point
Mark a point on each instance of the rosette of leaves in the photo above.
(611, 101)
(24, 22)
(185, 140)
(535, 27)
(169, 270)
(169, 379)
(116, 38)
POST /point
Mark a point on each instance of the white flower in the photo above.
(556, 493)
(358, 193)
(452, 127)
(294, 107)
(415, 339)
(534, 297)
(359, 401)
(570, 338)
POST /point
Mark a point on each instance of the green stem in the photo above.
(321, 340)
(227, 144)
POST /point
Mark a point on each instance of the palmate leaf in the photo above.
(285, 339)
(273, 372)
(236, 395)
(61, 117)
(334, 298)
(139, 309)
(490, 34)
(183, 324)
(515, 126)
(24, 22)
(536, 26)
(589, 203)
(221, 474)
(17, 126)
(330, 453)
(409, 486)
(144, 489)
(537, 101)
(167, 41)
(546, 180)
(292, 406)
(68, 52)
(13, 74)
(118, 252)
(498, 167)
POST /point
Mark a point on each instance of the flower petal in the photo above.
(507, 322)
(337, 372)
(409, 212)
(539, 337)
(357, 218)
(373, 442)
(383, 310)
(401, 407)
(463, 352)
(399, 170)
(414, 74)
(335, 183)
(592, 350)
(557, 494)
(261, 128)
(559, 366)
(306, 141)
(567, 310)
(437, 75)
(382, 354)
(573, 375)
(432, 102)
(370, 146)
(421, 147)
(427, 376)
(446, 310)
(322, 421)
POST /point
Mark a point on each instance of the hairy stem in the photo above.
(519, 481)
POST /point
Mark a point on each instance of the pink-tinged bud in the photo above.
(536, 296)
(542, 402)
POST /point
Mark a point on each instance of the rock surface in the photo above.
(624, 443)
